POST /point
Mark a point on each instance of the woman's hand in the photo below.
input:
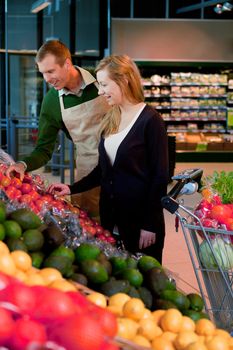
(59, 189)
(147, 238)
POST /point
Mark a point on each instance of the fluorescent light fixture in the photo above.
(39, 5)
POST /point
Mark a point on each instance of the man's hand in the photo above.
(17, 168)
(147, 238)
(59, 189)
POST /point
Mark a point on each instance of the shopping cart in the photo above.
(215, 284)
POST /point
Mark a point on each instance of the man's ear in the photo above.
(68, 63)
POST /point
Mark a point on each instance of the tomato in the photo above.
(229, 223)
(40, 204)
(5, 181)
(34, 195)
(82, 214)
(25, 198)
(25, 188)
(57, 204)
(78, 333)
(4, 281)
(80, 300)
(17, 183)
(53, 304)
(6, 326)
(109, 346)
(19, 295)
(47, 198)
(90, 229)
(26, 332)
(220, 213)
(106, 319)
(27, 178)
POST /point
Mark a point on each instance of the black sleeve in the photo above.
(88, 182)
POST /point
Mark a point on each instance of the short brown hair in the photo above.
(55, 48)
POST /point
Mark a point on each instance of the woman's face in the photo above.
(108, 88)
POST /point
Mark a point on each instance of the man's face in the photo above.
(54, 74)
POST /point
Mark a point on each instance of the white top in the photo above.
(112, 142)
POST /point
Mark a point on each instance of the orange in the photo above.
(63, 285)
(22, 260)
(114, 309)
(160, 343)
(187, 324)
(217, 342)
(7, 264)
(142, 341)
(169, 336)
(157, 314)
(147, 314)
(98, 299)
(134, 308)
(149, 329)
(205, 327)
(20, 275)
(127, 328)
(50, 274)
(171, 320)
(223, 333)
(3, 248)
(230, 343)
(197, 345)
(34, 280)
(118, 299)
(185, 338)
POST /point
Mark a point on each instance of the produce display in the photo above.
(64, 285)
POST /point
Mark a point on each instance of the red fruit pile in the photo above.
(37, 315)
(213, 214)
(31, 192)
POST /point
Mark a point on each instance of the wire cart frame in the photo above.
(215, 283)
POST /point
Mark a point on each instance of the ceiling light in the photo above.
(227, 6)
(218, 9)
(39, 5)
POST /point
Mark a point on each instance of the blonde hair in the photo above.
(125, 73)
(55, 48)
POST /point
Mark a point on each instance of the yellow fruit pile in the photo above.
(162, 329)
(19, 265)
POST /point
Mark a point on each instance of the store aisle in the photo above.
(176, 257)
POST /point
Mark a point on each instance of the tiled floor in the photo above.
(176, 257)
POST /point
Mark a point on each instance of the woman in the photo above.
(133, 161)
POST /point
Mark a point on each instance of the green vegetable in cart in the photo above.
(222, 183)
(223, 252)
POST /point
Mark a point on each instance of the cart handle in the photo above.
(187, 183)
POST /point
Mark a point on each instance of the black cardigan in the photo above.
(131, 188)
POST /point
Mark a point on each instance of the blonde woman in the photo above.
(133, 161)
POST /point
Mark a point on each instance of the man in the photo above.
(71, 105)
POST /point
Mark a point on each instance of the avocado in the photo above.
(195, 315)
(156, 281)
(94, 271)
(79, 278)
(176, 297)
(133, 292)
(53, 237)
(118, 264)
(112, 287)
(163, 304)
(102, 258)
(26, 218)
(146, 296)
(60, 263)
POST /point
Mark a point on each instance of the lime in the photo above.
(86, 251)
(94, 271)
(134, 276)
(13, 229)
(37, 259)
(131, 262)
(64, 251)
(33, 239)
(196, 301)
(2, 232)
(194, 315)
(2, 212)
(16, 244)
(119, 263)
(147, 262)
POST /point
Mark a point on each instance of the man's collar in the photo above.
(87, 79)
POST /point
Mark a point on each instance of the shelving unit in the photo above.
(195, 107)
